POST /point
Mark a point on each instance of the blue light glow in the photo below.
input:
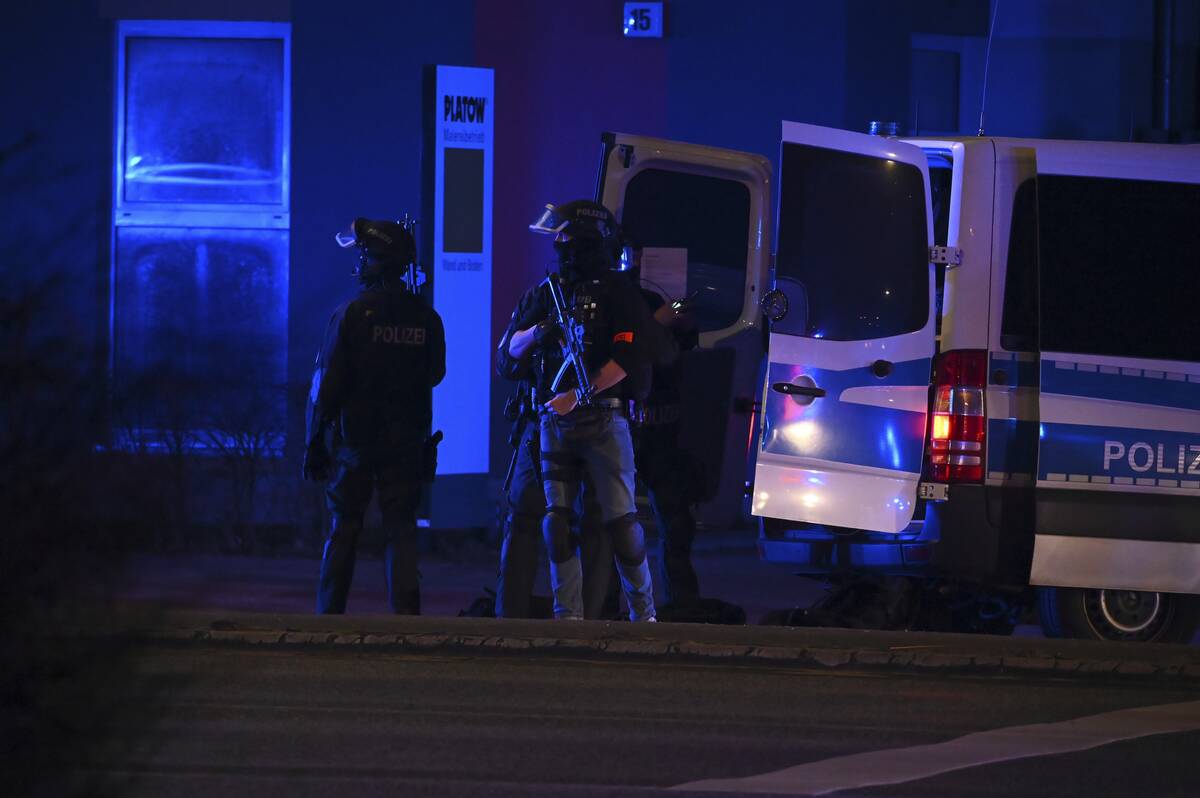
(204, 120)
(200, 241)
(890, 436)
(462, 269)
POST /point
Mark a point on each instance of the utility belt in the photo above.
(604, 404)
(645, 414)
(609, 403)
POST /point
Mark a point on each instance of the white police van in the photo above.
(983, 365)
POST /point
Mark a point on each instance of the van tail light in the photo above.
(958, 425)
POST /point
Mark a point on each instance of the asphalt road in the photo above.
(195, 720)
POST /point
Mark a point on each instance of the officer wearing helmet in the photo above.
(523, 493)
(588, 433)
(384, 351)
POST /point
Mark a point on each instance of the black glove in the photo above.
(545, 331)
(316, 461)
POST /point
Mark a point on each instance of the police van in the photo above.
(982, 360)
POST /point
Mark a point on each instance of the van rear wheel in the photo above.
(1119, 615)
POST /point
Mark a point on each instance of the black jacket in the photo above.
(384, 351)
(617, 325)
(668, 378)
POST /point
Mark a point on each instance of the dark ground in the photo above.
(453, 575)
(211, 720)
(121, 718)
(202, 718)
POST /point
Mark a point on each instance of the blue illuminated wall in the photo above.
(356, 135)
(1081, 70)
(722, 74)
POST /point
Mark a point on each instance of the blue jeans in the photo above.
(594, 443)
(519, 553)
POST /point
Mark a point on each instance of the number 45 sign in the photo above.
(643, 20)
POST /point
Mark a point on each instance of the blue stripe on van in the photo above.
(1145, 387)
(829, 429)
(1099, 453)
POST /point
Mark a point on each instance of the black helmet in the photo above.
(590, 231)
(578, 219)
(383, 248)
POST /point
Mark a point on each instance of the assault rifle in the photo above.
(518, 410)
(572, 344)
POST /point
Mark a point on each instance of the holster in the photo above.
(429, 456)
(646, 414)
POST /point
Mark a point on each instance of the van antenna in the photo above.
(986, 60)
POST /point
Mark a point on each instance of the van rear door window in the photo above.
(1120, 267)
(852, 234)
(707, 216)
(941, 173)
(1018, 325)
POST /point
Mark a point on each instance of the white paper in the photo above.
(664, 269)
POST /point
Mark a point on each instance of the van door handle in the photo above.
(791, 389)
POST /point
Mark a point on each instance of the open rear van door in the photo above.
(700, 220)
(853, 337)
(704, 214)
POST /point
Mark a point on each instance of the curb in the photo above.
(822, 649)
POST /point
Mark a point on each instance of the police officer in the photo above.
(669, 473)
(523, 490)
(589, 434)
(384, 351)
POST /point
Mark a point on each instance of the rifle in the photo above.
(508, 475)
(516, 410)
(572, 344)
(416, 276)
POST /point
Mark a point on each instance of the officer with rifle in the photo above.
(523, 493)
(371, 393)
(609, 344)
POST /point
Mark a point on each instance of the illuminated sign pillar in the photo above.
(459, 118)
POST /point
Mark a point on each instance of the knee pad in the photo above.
(629, 542)
(556, 529)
